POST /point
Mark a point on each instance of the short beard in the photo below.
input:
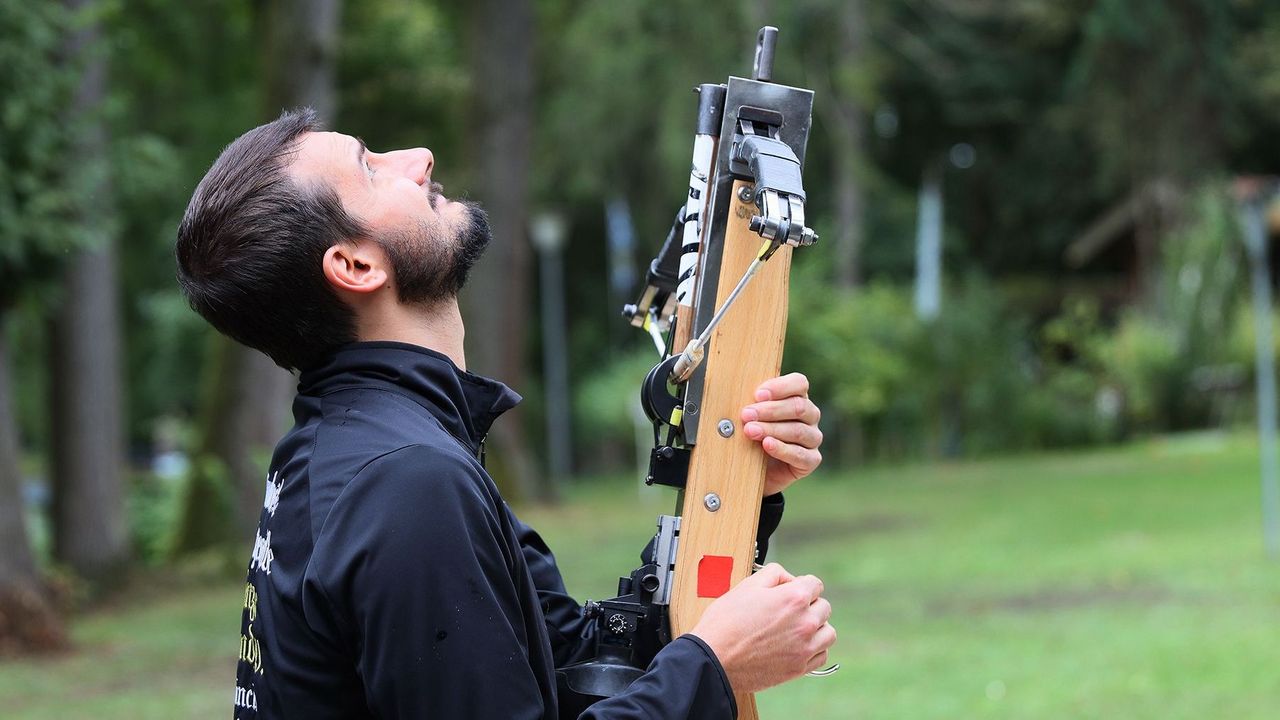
(429, 266)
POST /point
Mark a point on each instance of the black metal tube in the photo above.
(710, 108)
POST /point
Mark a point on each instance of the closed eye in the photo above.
(362, 157)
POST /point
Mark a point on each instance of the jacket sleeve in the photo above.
(572, 636)
(685, 680)
(771, 509)
(413, 572)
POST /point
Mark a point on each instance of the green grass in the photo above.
(1124, 583)
(155, 653)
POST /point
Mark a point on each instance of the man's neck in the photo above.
(438, 327)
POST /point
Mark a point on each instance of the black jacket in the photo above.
(390, 580)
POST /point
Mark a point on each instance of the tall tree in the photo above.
(28, 621)
(34, 206)
(87, 448)
(246, 403)
(844, 112)
(497, 300)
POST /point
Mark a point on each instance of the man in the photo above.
(388, 578)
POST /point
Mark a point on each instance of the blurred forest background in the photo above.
(1030, 238)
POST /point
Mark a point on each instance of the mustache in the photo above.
(434, 192)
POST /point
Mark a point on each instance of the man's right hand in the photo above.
(768, 629)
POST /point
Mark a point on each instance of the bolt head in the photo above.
(725, 428)
(711, 502)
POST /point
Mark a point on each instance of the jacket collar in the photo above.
(466, 404)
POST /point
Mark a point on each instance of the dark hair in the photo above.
(251, 244)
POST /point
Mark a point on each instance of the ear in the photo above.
(359, 266)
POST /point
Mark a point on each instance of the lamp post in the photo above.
(928, 287)
(548, 230)
(1254, 194)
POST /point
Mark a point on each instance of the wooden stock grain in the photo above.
(744, 351)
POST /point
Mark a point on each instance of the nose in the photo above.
(413, 163)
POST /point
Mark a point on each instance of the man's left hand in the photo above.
(785, 422)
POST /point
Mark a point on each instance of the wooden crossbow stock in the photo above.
(715, 304)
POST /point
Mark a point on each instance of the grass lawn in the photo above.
(1123, 583)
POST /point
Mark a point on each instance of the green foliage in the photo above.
(208, 484)
(36, 200)
(976, 380)
(403, 83)
(967, 382)
(1164, 67)
(153, 509)
(184, 83)
(1159, 353)
(878, 325)
(1142, 357)
(1070, 105)
(605, 403)
(1074, 401)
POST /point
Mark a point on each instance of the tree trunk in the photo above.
(220, 507)
(497, 299)
(246, 400)
(846, 117)
(89, 532)
(299, 43)
(28, 619)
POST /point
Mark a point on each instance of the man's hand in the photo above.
(785, 422)
(768, 629)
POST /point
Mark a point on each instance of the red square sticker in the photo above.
(714, 575)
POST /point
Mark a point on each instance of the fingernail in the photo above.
(763, 395)
(749, 414)
(753, 430)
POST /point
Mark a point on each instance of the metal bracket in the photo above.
(788, 112)
(664, 556)
(779, 189)
(657, 302)
(668, 466)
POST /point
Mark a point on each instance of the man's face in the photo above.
(430, 241)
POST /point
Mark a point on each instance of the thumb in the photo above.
(770, 575)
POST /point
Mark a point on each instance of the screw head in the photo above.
(745, 192)
(711, 502)
(725, 428)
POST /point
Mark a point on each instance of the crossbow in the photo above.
(715, 304)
